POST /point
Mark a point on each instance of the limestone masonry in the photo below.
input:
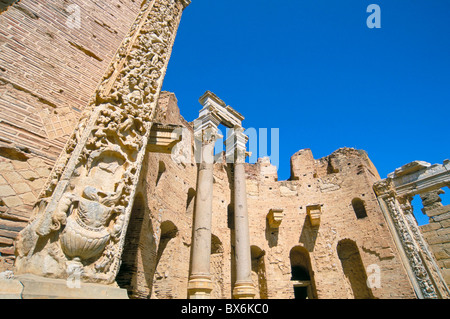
(106, 191)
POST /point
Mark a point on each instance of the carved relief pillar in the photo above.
(243, 287)
(200, 284)
(425, 252)
(79, 226)
(397, 212)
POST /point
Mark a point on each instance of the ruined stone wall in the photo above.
(48, 72)
(157, 248)
(437, 232)
(332, 182)
(49, 67)
(340, 252)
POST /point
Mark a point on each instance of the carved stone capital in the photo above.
(383, 187)
(236, 150)
(207, 135)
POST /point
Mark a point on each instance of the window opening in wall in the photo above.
(428, 205)
(421, 218)
(301, 277)
(445, 197)
(359, 208)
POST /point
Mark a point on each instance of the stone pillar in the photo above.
(243, 287)
(404, 237)
(200, 284)
(80, 221)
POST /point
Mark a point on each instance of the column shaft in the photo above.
(243, 286)
(200, 284)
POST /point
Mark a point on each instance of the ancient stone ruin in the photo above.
(106, 191)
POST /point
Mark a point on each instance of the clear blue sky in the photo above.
(313, 69)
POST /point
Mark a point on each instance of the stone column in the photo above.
(243, 287)
(200, 284)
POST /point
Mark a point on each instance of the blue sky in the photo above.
(313, 69)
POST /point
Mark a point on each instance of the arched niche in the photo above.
(302, 277)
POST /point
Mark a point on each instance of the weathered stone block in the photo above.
(20, 165)
(6, 241)
(37, 184)
(445, 223)
(21, 188)
(252, 188)
(43, 171)
(10, 289)
(37, 162)
(28, 198)
(12, 201)
(430, 227)
(6, 190)
(35, 287)
(6, 166)
(12, 177)
(441, 217)
(29, 174)
(441, 254)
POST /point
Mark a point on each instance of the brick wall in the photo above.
(332, 182)
(50, 64)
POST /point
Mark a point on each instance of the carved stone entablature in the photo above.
(314, 212)
(207, 134)
(228, 116)
(275, 217)
(409, 168)
(420, 177)
(214, 113)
